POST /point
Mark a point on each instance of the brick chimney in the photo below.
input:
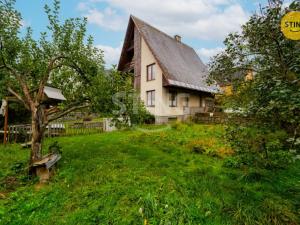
(177, 38)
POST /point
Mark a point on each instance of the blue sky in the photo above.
(203, 24)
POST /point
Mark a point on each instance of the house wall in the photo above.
(162, 110)
(137, 59)
(146, 59)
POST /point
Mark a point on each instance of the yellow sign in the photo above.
(290, 25)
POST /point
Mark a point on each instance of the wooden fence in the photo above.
(18, 133)
(210, 118)
(81, 128)
(22, 133)
(220, 118)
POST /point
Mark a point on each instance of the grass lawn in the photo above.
(137, 177)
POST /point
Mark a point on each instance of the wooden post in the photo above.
(16, 133)
(5, 123)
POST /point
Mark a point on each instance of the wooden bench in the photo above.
(45, 167)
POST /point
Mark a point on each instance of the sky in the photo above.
(202, 24)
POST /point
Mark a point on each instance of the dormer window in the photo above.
(150, 72)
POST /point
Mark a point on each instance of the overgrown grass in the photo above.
(171, 176)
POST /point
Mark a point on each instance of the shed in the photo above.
(53, 95)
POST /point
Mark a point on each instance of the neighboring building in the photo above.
(228, 87)
(168, 74)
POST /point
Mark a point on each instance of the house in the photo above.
(168, 74)
(228, 88)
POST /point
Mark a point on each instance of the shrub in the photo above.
(198, 149)
(135, 112)
(278, 211)
(148, 118)
(54, 148)
(259, 147)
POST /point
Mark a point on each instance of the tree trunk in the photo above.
(37, 133)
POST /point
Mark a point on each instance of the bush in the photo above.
(149, 118)
(198, 149)
(259, 147)
(135, 112)
(54, 148)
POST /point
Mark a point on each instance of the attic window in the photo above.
(150, 72)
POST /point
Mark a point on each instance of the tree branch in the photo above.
(1, 50)
(65, 112)
(18, 76)
(79, 70)
(52, 110)
(51, 66)
(22, 84)
(18, 97)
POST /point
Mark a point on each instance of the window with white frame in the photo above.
(150, 72)
(186, 101)
(172, 98)
(202, 101)
(150, 98)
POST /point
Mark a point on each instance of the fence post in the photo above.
(49, 129)
(5, 123)
(16, 133)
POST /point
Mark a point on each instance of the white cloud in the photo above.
(207, 53)
(111, 54)
(108, 18)
(205, 19)
(82, 6)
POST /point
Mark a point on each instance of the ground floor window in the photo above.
(151, 98)
(186, 102)
(202, 101)
(172, 99)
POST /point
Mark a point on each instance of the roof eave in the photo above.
(130, 23)
(174, 83)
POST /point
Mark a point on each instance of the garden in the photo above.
(178, 174)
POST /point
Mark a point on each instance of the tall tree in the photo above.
(275, 61)
(272, 98)
(62, 55)
(114, 95)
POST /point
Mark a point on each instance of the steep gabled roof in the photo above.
(180, 63)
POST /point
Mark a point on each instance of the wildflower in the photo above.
(141, 210)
